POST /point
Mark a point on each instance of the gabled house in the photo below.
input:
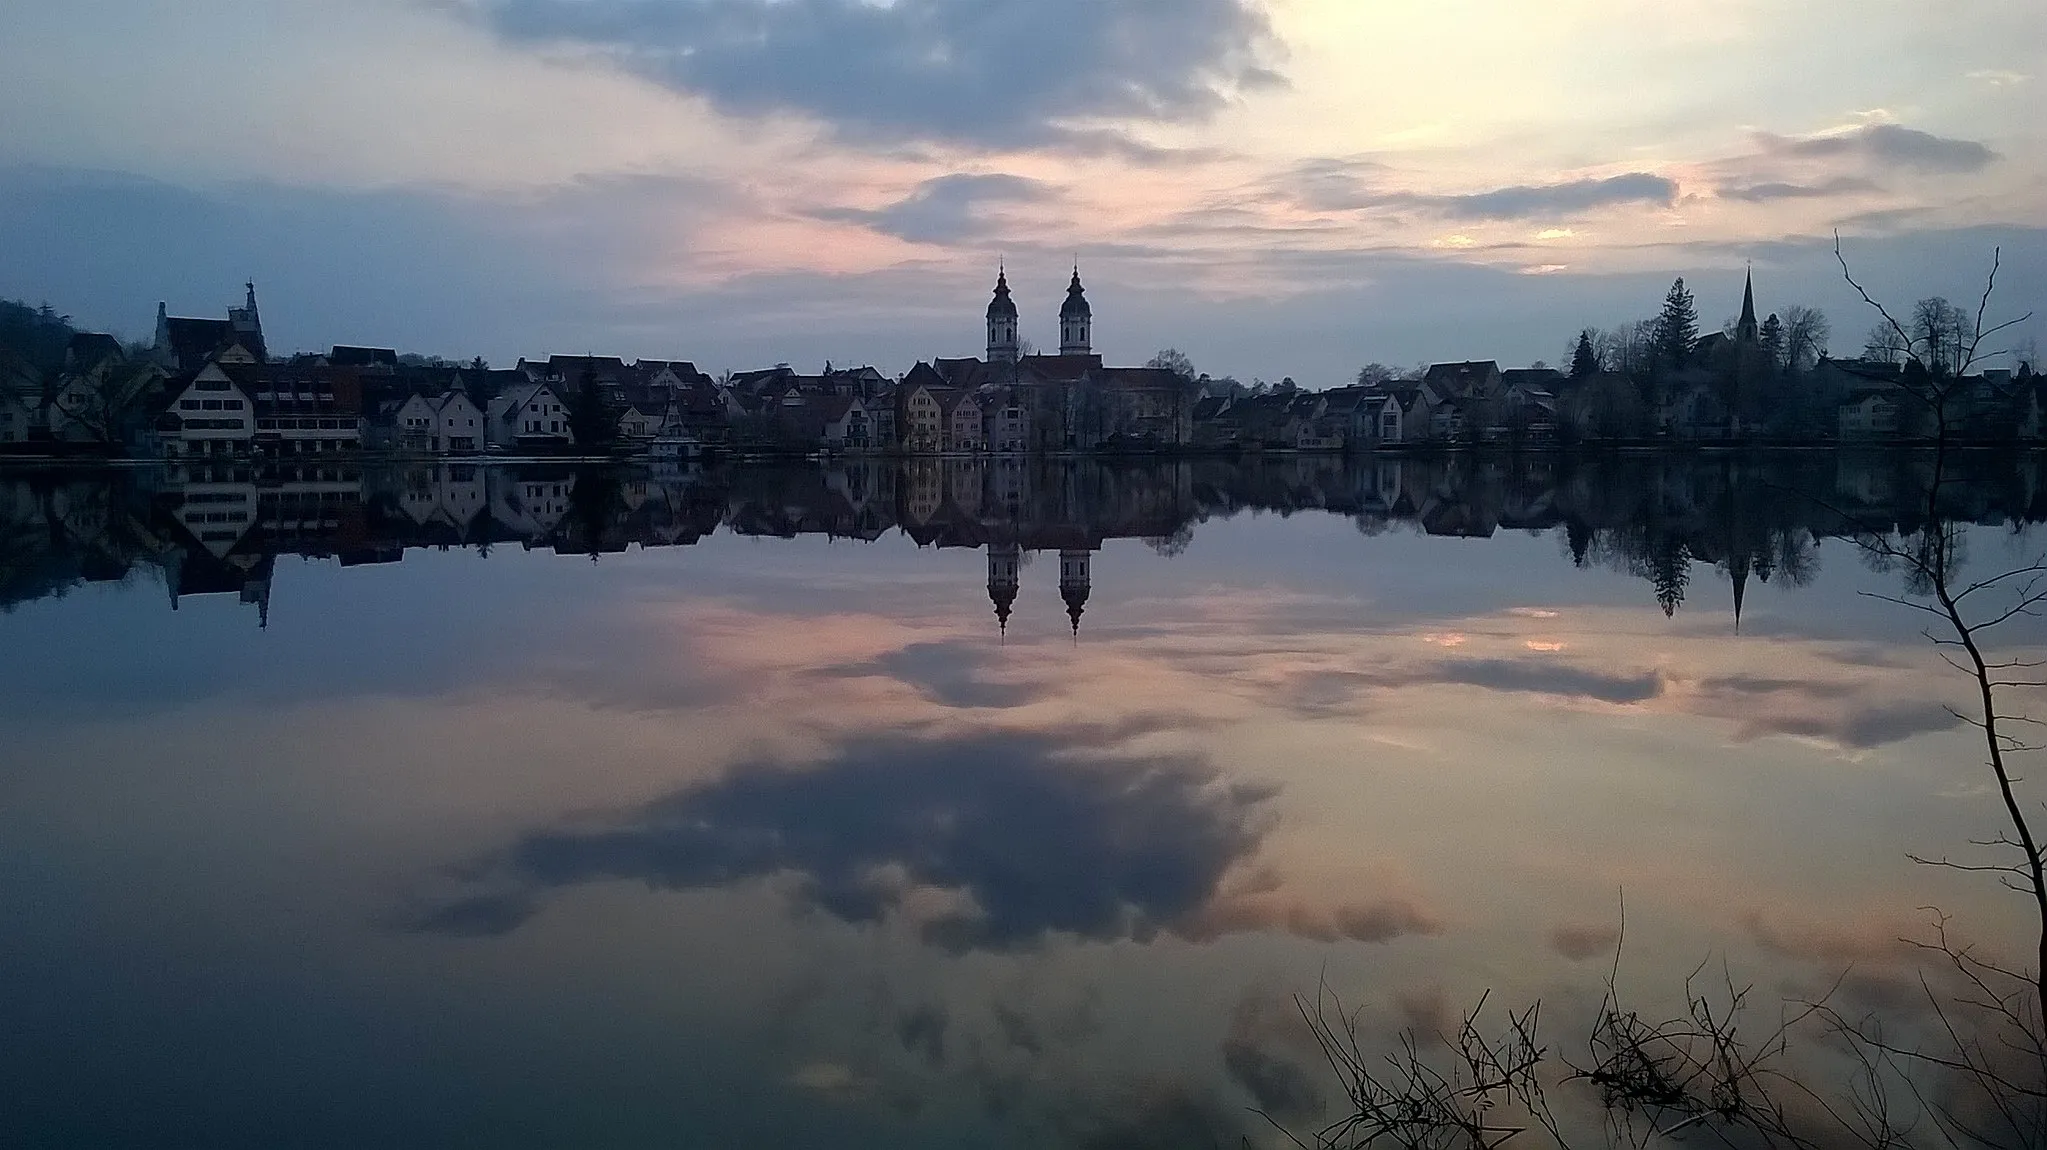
(1479, 378)
(846, 423)
(920, 417)
(1869, 413)
(412, 424)
(529, 417)
(461, 423)
(206, 414)
(99, 396)
(436, 424)
(960, 427)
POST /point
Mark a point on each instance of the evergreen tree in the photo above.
(1773, 339)
(589, 416)
(1584, 360)
(1677, 327)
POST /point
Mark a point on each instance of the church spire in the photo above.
(1746, 330)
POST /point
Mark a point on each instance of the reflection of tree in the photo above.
(1174, 545)
(1670, 568)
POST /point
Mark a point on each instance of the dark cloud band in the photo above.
(980, 72)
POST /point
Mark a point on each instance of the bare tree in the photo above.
(1805, 337)
(1884, 343)
(1955, 342)
(1376, 374)
(1174, 360)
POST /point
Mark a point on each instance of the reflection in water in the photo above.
(746, 836)
(218, 529)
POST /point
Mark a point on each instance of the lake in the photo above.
(937, 803)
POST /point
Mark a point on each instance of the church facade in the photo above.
(1071, 401)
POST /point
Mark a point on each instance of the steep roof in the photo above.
(89, 349)
(1059, 368)
(194, 341)
(344, 355)
(1460, 378)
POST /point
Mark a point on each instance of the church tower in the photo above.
(1005, 567)
(1076, 320)
(247, 325)
(1074, 583)
(1745, 329)
(1003, 344)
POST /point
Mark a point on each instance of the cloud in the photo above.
(1579, 941)
(1548, 679)
(1350, 184)
(979, 72)
(944, 210)
(1279, 1085)
(1768, 191)
(1840, 713)
(1027, 845)
(1524, 200)
(1890, 145)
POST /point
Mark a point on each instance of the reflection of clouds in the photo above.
(1843, 713)
(983, 842)
(954, 674)
(1579, 941)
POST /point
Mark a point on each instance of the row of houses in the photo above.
(209, 388)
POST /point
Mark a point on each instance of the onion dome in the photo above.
(1076, 300)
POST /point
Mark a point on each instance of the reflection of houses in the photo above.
(211, 523)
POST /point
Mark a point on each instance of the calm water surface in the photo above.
(350, 807)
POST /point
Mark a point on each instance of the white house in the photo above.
(531, 416)
(416, 423)
(1869, 413)
(637, 424)
(458, 424)
(210, 416)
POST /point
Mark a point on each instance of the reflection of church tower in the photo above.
(1737, 572)
(1076, 320)
(1745, 330)
(1074, 583)
(1005, 565)
(1003, 344)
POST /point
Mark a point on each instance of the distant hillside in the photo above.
(37, 334)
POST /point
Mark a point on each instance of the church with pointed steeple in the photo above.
(1746, 330)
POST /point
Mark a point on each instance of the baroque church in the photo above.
(1071, 401)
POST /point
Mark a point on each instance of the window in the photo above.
(188, 405)
(212, 405)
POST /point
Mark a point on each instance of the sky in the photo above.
(1275, 187)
